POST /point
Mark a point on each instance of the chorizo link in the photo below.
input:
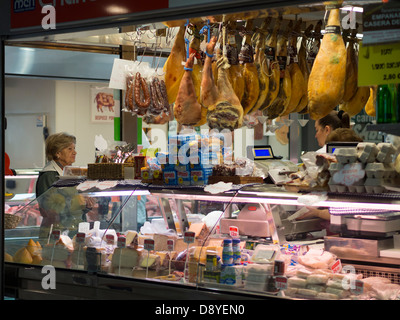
(140, 84)
(153, 104)
(160, 102)
(163, 89)
(129, 93)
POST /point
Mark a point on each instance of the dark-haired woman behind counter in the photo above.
(329, 123)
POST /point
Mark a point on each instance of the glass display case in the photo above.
(245, 239)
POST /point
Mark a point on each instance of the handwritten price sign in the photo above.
(349, 174)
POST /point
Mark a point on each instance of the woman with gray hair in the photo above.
(60, 152)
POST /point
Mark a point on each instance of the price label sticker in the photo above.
(189, 237)
(234, 231)
(84, 227)
(149, 244)
(170, 245)
(55, 235)
(357, 287)
(281, 282)
(110, 239)
(337, 266)
(80, 237)
(121, 242)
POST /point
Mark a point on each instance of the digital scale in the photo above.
(272, 166)
(331, 146)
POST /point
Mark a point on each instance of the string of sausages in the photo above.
(147, 97)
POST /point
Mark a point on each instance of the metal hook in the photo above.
(144, 51)
(158, 63)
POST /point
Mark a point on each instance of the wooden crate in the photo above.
(108, 171)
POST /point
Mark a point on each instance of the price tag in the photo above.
(84, 227)
(358, 287)
(121, 242)
(149, 244)
(55, 235)
(80, 237)
(86, 185)
(108, 184)
(337, 266)
(281, 282)
(379, 64)
(189, 237)
(110, 239)
(170, 245)
(234, 231)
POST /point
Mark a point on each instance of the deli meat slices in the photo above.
(327, 78)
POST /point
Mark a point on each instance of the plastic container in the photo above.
(227, 252)
(237, 256)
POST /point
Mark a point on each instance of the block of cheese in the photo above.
(165, 257)
(23, 256)
(200, 230)
(198, 253)
(125, 258)
(131, 237)
(66, 242)
(79, 261)
(160, 241)
(59, 252)
(151, 261)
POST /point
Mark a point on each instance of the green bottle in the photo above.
(398, 102)
(386, 110)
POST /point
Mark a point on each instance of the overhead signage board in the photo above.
(381, 23)
(28, 13)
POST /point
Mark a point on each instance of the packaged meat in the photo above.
(317, 279)
(297, 282)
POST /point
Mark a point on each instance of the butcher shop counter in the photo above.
(127, 239)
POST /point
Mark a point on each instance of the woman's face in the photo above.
(321, 133)
(66, 156)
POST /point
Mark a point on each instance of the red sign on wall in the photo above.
(28, 13)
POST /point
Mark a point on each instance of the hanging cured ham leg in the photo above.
(327, 78)
(173, 67)
(224, 108)
(187, 110)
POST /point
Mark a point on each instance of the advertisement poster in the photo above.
(381, 23)
(104, 105)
